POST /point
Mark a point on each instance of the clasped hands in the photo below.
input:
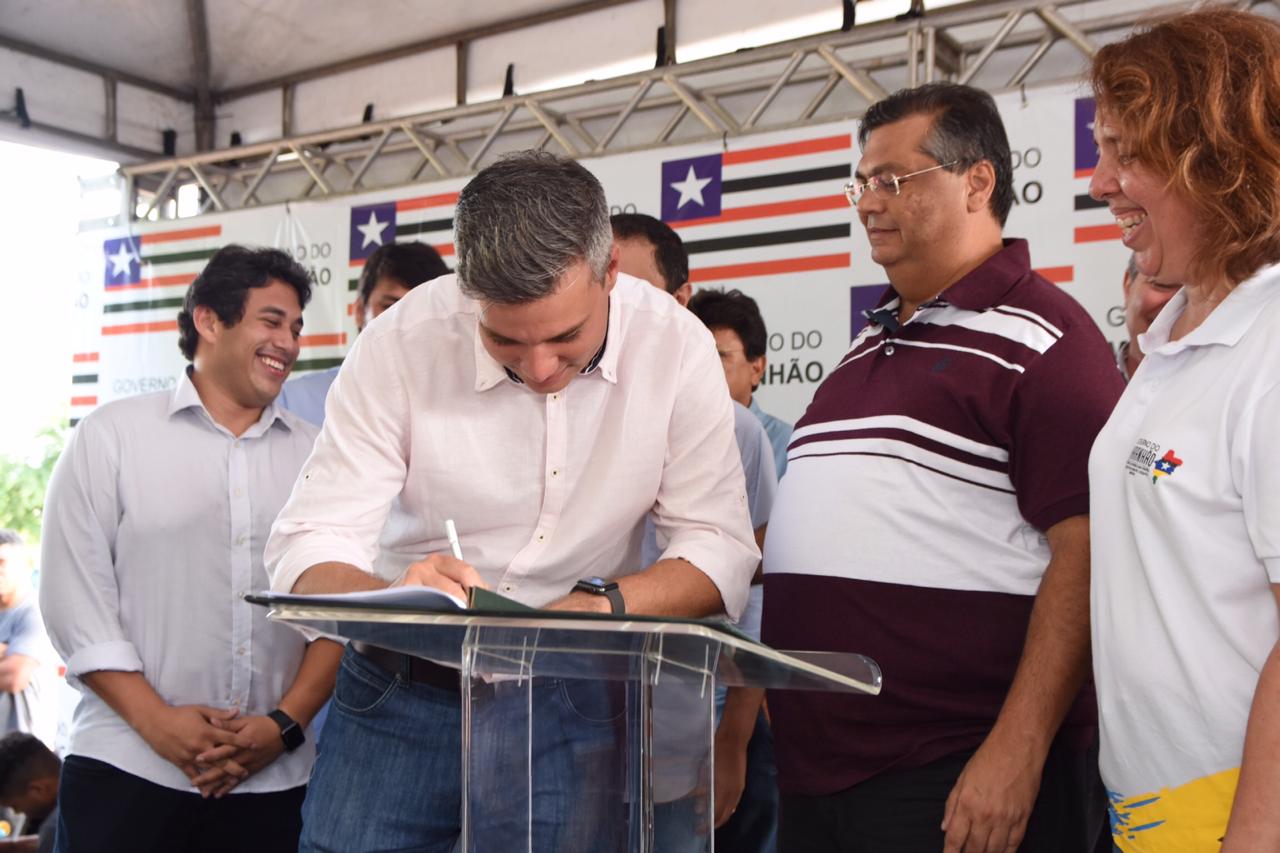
(216, 748)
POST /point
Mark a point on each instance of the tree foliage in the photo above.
(23, 482)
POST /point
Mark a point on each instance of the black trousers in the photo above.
(102, 809)
(901, 811)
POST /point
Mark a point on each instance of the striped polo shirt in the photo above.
(910, 525)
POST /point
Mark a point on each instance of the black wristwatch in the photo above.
(290, 732)
(600, 586)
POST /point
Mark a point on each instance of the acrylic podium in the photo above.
(583, 733)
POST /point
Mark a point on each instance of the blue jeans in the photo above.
(390, 775)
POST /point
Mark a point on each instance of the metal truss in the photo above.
(996, 44)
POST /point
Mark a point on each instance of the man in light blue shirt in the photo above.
(389, 273)
(649, 249)
(741, 338)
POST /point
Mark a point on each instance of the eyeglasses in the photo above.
(886, 183)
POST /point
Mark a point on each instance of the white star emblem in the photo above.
(121, 260)
(690, 189)
(372, 230)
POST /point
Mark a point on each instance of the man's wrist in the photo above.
(589, 603)
(291, 732)
(1029, 741)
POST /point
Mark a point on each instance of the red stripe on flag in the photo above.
(187, 234)
(1058, 275)
(763, 211)
(159, 281)
(80, 357)
(135, 328)
(333, 340)
(443, 248)
(788, 149)
(1085, 173)
(816, 262)
(84, 401)
(351, 309)
(442, 200)
(1094, 233)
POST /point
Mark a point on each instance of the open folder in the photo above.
(420, 598)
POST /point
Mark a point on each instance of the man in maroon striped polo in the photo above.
(935, 517)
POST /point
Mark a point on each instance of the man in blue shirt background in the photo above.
(28, 677)
(734, 318)
(388, 274)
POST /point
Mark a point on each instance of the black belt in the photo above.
(415, 669)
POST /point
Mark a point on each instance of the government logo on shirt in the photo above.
(1145, 461)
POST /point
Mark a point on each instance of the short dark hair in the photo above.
(732, 309)
(23, 760)
(668, 249)
(967, 129)
(10, 537)
(523, 221)
(410, 264)
(224, 284)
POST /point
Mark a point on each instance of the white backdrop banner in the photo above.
(763, 213)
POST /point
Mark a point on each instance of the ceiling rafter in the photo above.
(459, 37)
(714, 98)
(57, 57)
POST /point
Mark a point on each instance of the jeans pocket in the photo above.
(598, 702)
(361, 688)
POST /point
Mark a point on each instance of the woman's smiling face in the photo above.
(1160, 227)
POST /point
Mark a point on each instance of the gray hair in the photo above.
(521, 222)
(10, 537)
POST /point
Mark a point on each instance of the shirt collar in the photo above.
(489, 372)
(987, 284)
(981, 288)
(1225, 325)
(185, 396)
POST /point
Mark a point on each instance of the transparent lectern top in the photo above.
(577, 645)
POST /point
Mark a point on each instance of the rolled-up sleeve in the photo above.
(701, 510)
(79, 593)
(344, 492)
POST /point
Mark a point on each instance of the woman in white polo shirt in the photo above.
(1185, 477)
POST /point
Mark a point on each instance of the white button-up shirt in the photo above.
(422, 425)
(154, 527)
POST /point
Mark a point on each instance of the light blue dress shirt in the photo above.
(779, 432)
(305, 395)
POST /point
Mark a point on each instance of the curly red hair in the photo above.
(1196, 98)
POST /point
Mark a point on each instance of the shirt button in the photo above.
(555, 472)
(237, 442)
(506, 587)
(239, 493)
(240, 651)
(888, 350)
(555, 396)
(239, 540)
(541, 537)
